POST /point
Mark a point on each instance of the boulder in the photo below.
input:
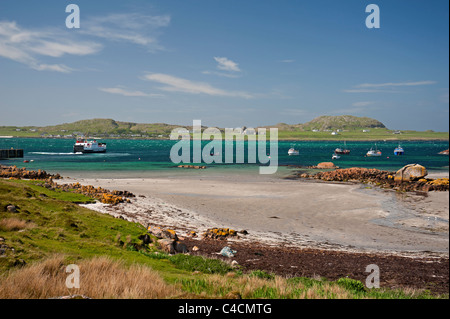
(326, 165)
(11, 208)
(180, 247)
(145, 239)
(228, 252)
(169, 234)
(167, 246)
(410, 172)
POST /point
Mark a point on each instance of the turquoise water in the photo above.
(143, 157)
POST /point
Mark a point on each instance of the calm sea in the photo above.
(141, 158)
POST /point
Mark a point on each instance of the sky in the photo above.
(228, 63)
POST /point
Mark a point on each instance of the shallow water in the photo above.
(147, 158)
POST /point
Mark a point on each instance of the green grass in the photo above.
(62, 227)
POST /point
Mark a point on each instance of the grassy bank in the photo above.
(48, 231)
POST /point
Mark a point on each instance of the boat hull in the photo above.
(82, 149)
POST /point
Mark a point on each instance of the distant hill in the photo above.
(341, 122)
(349, 127)
(109, 126)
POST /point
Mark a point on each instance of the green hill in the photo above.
(348, 128)
(342, 122)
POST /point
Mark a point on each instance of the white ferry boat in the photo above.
(84, 146)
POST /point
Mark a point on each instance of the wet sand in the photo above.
(296, 213)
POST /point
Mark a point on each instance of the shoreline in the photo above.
(279, 139)
(371, 220)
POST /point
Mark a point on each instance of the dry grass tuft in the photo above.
(100, 278)
(14, 224)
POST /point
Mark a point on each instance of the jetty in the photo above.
(11, 153)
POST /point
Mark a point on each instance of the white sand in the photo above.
(291, 212)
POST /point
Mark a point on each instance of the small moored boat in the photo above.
(374, 152)
(399, 151)
(293, 151)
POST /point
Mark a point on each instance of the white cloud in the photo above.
(127, 27)
(227, 75)
(176, 84)
(370, 91)
(29, 47)
(120, 91)
(385, 87)
(287, 61)
(227, 65)
(391, 84)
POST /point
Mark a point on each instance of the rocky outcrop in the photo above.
(220, 233)
(103, 195)
(412, 180)
(326, 165)
(192, 166)
(19, 173)
(167, 240)
(410, 172)
(355, 174)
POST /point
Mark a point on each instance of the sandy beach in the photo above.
(292, 213)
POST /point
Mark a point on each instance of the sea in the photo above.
(126, 158)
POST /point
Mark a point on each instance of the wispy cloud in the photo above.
(287, 61)
(385, 87)
(176, 84)
(227, 75)
(392, 84)
(370, 91)
(134, 28)
(227, 67)
(363, 103)
(30, 46)
(225, 64)
(124, 92)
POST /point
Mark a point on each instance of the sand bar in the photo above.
(351, 217)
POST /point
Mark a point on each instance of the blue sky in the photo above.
(228, 63)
